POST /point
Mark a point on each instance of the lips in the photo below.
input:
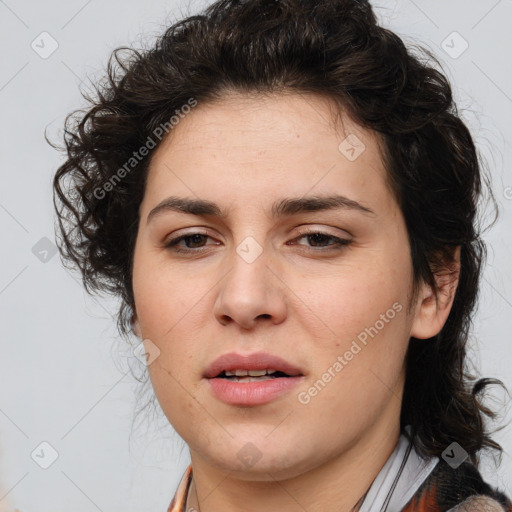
(256, 361)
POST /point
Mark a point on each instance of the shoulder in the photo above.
(479, 503)
(457, 490)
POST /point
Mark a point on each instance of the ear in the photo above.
(135, 326)
(431, 313)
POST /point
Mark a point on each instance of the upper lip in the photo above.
(256, 361)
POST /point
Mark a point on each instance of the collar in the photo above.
(399, 479)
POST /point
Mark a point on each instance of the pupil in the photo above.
(197, 238)
(316, 237)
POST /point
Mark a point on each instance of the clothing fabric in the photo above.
(179, 502)
(457, 490)
(399, 479)
(409, 483)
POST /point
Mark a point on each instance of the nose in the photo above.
(250, 293)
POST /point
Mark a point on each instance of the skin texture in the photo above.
(302, 302)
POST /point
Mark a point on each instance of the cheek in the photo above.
(168, 319)
(366, 326)
(352, 297)
(358, 326)
(159, 308)
(160, 296)
(358, 365)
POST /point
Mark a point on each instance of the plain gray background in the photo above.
(60, 377)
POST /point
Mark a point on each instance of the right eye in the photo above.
(194, 239)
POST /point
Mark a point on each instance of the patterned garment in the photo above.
(444, 490)
(457, 490)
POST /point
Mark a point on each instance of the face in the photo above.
(325, 289)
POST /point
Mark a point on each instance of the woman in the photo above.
(284, 199)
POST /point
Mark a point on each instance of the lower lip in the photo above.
(252, 393)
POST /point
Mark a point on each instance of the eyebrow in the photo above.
(282, 208)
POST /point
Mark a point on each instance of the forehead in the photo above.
(265, 116)
(253, 147)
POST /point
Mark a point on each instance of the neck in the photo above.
(337, 485)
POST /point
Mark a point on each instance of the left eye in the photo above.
(317, 237)
(194, 241)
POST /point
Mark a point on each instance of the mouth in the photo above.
(252, 375)
(253, 367)
(252, 380)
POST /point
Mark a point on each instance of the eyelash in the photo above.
(339, 242)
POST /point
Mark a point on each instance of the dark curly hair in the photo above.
(331, 48)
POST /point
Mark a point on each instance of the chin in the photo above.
(254, 464)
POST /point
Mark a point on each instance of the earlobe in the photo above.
(432, 311)
(135, 326)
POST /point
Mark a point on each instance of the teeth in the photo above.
(251, 379)
(252, 373)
